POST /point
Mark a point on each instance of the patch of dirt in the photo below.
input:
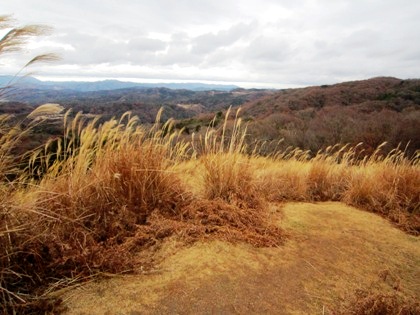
(333, 251)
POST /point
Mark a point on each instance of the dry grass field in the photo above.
(203, 225)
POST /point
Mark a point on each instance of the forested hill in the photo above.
(369, 94)
(369, 111)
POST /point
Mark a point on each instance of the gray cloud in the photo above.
(209, 42)
(272, 41)
(146, 44)
(268, 50)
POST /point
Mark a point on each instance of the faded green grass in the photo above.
(93, 198)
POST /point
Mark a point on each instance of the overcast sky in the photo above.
(251, 42)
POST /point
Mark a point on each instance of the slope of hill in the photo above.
(370, 111)
(368, 95)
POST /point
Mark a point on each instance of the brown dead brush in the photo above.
(371, 303)
(211, 219)
(102, 190)
(106, 192)
(97, 187)
(234, 223)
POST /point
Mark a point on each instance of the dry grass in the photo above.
(93, 198)
(280, 180)
(333, 251)
(15, 39)
(374, 303)
(228, 173)
(89, 201)
(387, 185)
(46, 109)
(10, 137)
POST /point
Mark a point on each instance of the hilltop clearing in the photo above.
(116, 197)
(334, 253)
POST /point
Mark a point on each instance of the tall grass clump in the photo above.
(81, 208)
(227, 170)
(13, 224)
(388, 185)
(231, 204)
(385, 184)
(328, 173)
(104, 181)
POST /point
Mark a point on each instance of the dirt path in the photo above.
(332, 251)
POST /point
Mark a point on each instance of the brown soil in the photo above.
(333, 251)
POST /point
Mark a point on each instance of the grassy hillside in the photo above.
(104, 198)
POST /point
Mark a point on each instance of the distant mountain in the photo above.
(33, 83)
(144, 101)
(369, 111)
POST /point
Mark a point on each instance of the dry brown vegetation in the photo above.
(106, 196)
(369, 111)
(91, 200)
(336, 260)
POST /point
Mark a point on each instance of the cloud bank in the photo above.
(264, 42)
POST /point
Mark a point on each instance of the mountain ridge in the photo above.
(29, 82)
